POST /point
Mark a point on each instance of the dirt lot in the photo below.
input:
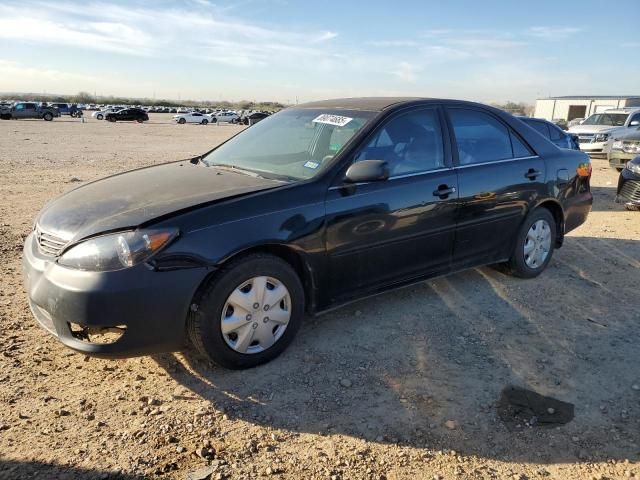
(405, 385)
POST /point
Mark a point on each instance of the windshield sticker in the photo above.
(311, 164)
(337, 120)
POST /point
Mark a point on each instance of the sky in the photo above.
(288, 51)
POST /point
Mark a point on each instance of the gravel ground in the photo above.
(405, 385)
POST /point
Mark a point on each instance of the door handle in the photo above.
(532, 174)
(444, 191)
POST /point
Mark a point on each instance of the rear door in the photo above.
(499, 179)
(383, 232)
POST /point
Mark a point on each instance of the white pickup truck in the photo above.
(596, 132)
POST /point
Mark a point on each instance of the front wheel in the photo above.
(182, 121)
(534, 245)
(204, 121)
(99, 117)
(48, 117)
(249, 313)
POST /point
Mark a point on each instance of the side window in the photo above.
(482, 138)
(20, 106)
(30, 106)
(409, 143)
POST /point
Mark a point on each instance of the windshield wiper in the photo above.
(233, 168)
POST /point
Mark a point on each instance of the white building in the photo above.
(568, 108)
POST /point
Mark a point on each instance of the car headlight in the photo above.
(601, 137)
(634, 165)
(631, 147)
(117, 251)
(617, 145)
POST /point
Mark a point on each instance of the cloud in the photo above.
(202, 32)
(326, 36)
(552, 33)
(407, 72)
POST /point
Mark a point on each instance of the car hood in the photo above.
(592, 129)
(631, 135)
(133, 198)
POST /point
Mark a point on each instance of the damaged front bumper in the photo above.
(135, 311)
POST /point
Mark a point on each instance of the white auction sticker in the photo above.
(329, 119)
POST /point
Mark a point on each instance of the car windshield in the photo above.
(296, 143)
(609, 119)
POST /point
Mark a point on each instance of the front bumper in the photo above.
(628, 188)
(618, 158)
(151, 305)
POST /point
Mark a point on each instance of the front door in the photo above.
(499, 177)
(384, 232)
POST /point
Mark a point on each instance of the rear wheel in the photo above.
(204, 121)
(214, 120)
(249, 313)
(48, 116)
(99, 116)
(534, 245)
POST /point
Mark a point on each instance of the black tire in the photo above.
(214, 120)
(203, 325)
(99, 117)
(48, 116)
(182, 121)
(111, 119)
(517, 265)
(204, 121)
(139, 120)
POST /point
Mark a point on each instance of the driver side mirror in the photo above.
(635, 123)
(367, 171)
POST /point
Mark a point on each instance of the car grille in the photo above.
(48, 244)
(585, 138)
(631, 190)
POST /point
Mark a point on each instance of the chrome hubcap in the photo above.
(537, 244)
(255, 315)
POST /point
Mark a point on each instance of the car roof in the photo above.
(376, 104)
(621, 110)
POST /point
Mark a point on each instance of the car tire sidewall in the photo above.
(209, 340)
(99, 117)
(518, 265)
(182, 121)
(48, 117)
(205, 121)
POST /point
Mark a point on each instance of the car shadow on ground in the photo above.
(425, 366)
(13, 470)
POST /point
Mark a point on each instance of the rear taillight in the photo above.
(584, 169)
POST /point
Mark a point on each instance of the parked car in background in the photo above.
(312, 207)
(101, 114)
(24, 110)
(624, 147)
(224, 117)
(629, 185)
(252, 118)
(192, 117)
(67, 109)
(127, 114)
(595, 132)
(553, 133)
(574, 122)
